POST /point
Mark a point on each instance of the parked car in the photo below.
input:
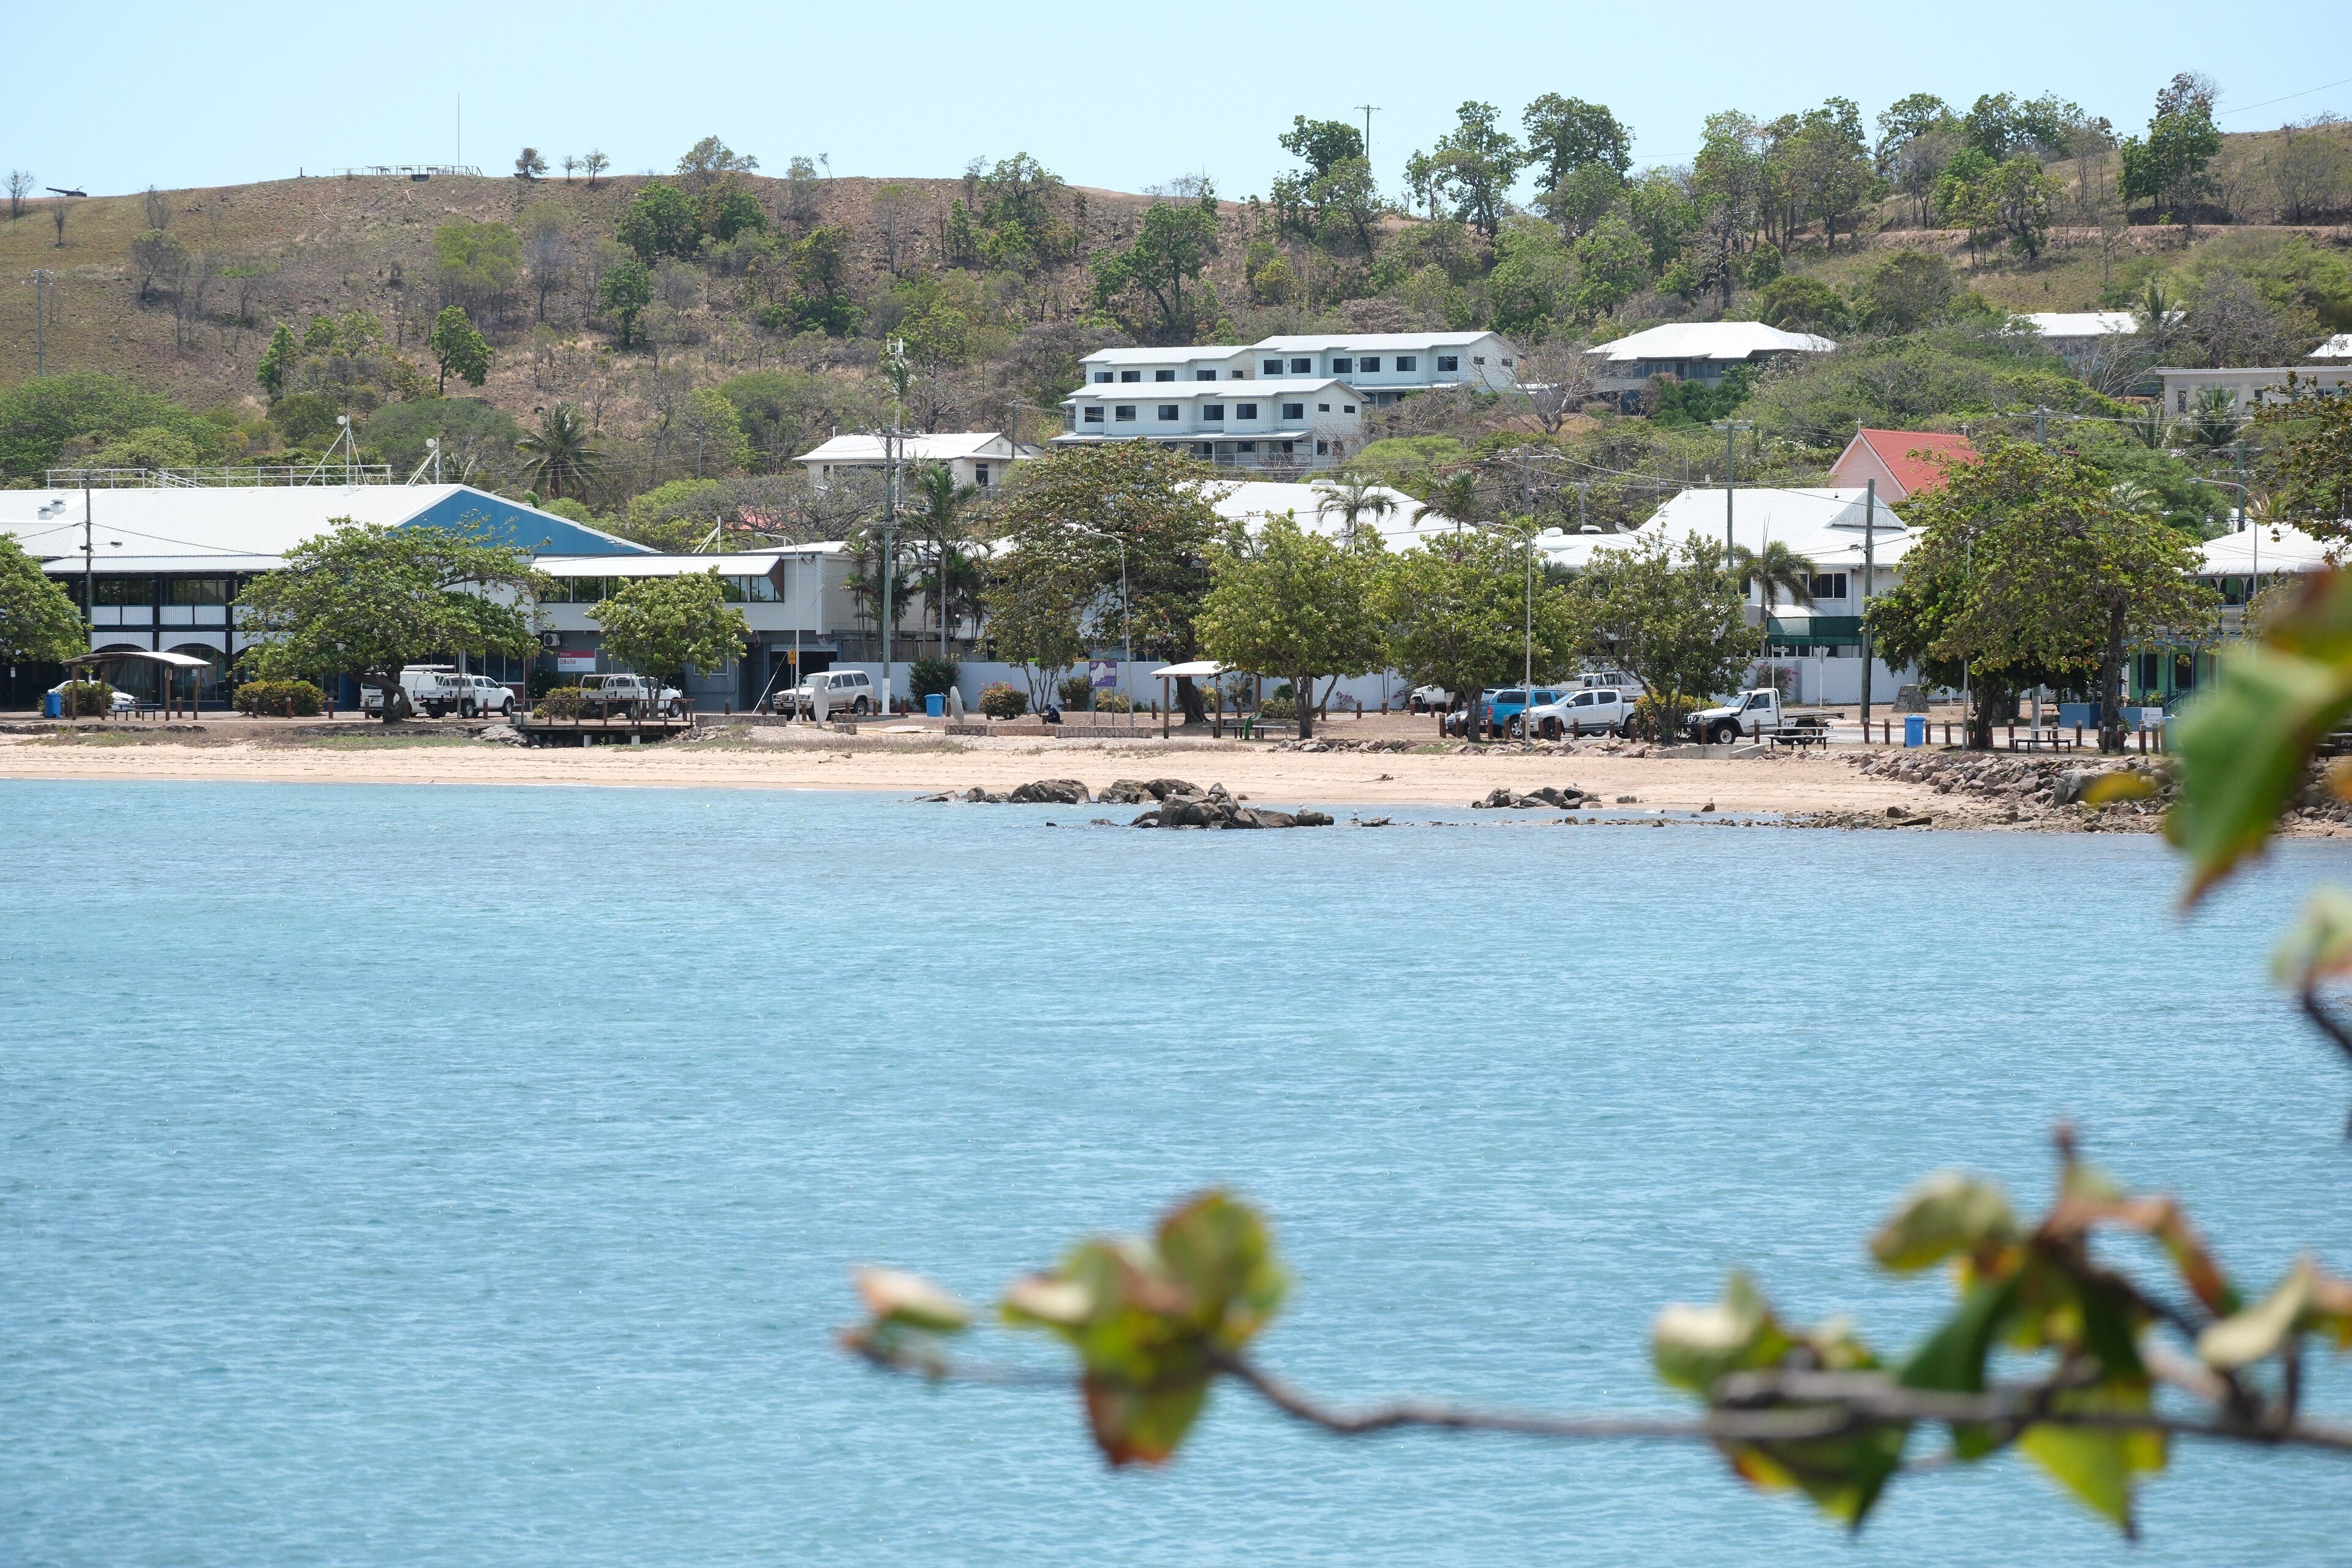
(435, 689)
(1458, 722)
(1428, 699)
(845, 691)
(123, 701)
(1508, 707)
(1756, 713)
(486, 696)
(630, 696)
(1595, 711)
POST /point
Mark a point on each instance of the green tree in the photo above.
(710, 162)
(1475, 162)
(2308, 461)
(479, 263)
(2167, 167)
(1566, 134)
(1726, 189)
(665, 625)
(2022, 195)
(2058, 575)
(39, 622)
(158, 253)
(1154, 288)
(1292, 604)
(819, 265)
(937, 519)
(458, 346)
(1587, 196)
(277, 360)
(1612, 266)
(1533, 285)
(662, 220)
(561, 456)
(40, 414)
(1797, 302)
(624, 293)
(1670, 616)
(1662, 213)
(364, 600)
(1354, 495)
(1454, 612)
(1322, 144)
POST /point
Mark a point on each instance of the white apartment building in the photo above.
(1298, 421)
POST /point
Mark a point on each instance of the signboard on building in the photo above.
(575, 661)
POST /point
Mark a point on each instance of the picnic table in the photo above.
(1798, 738)
(2041, 740)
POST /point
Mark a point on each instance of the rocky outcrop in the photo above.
(1219, 810)
(1566, 797)
(1052, 792)
(1135, 792)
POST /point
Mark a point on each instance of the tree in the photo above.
(1558, 378)
(2309, 459)
(937, 519)
(277, 360)
(364, 600)
(60, 209)
(662, 221)
(529, 166)
(1455, 612)
(1292, 604)
(1660, 210)
(624, 293)
(1145, 286)
(547, 250)
(711, 161)
(2022, 195)
(20, 185)
(1567, 134)
(1726, 186)
(898, 208)
(2167, 167)
(561, 457)
(1776, 569)
(1475, 165)
(157, 253)
(1354, 495)
(39, 622)
(41, 415)
(1798, 303)
(664, 626)
(1671, 616)
(1322, 144)
(458, 346)
(594, 163)
(1612, 266)
(2057, 575)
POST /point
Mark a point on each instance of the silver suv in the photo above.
(845, 691)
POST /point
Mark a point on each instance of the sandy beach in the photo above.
(919, 764)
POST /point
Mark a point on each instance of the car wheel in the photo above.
(861, 706)
(1726, 732)
(465, 710)
(1552, 728)
(677, 710)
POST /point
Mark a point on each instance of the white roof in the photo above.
(942, 448)
(755, 564)
(2338, 347)
(1219, 352)
(1710, 339)
(245, 528)
(1224, 391)
(1326, 343)
(1824, 525)
(2083, 324)
(1253, 501)
(2274, 547)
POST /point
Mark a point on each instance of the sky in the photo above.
(1111, 95)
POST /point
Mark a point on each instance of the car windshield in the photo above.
(1510, 696)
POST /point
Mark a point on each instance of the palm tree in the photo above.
(1455, 499)
(1774, 569)
(938, 517)
(561, 454)
(2150, 429)
(2214, 417)
(1355, 495)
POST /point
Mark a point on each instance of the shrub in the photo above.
(561, 702)
(291, 699)
(931, 677)
(1114, 702)
(1281, 707)
(89, 699)
(1000, 700)
(1651, 721)
(1073, 691)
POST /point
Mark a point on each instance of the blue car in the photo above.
(1503, 710)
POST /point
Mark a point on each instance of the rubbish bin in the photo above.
(1915, 728)
(53, 705)
(936, 705)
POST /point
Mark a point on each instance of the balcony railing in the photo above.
(219, 478)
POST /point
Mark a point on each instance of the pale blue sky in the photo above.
(1106, 93)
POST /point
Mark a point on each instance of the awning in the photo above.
(1199, 668)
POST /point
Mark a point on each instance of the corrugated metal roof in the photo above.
(2083, 324)
(941, 447)
(1711, 340)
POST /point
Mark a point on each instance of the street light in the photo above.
(1528, 667)
(1126, 621)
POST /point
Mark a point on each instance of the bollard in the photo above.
(2078, 737)
(2143, 741)
(2012, 737)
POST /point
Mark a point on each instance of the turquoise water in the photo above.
(468, 1176)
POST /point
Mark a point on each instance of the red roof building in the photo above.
(1903, 462)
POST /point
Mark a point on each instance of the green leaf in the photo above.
(1944, 1215)
(1843, 1476)
(894, 1296)
(2124, 784)
(2249, 1336)
(1142, 1425)
(1953, 1360)
(2243, 748)
(2319, 947)
(1218, 1250)
(2090, 1463)
(1693, 1348)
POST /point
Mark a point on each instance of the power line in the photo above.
(2306, 92)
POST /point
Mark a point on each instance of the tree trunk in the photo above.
(1188, 698)
(396, 705)
(1990, 699)
(2111, 681)
(1302, 698)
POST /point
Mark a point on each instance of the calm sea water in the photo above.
(468, 1176)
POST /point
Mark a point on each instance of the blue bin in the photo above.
(936, 705)
(1915, 728)
(53, 705)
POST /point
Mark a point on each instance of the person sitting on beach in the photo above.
(1052, 714)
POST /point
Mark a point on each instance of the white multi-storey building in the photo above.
(1284, 403)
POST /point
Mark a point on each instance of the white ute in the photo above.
(1751, 713)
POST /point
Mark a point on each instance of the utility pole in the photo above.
(1869, 570)
(1368, 109)
(2041, 413)
(88, 566)
(894, 446)
(1730, 428)
(2240, 465)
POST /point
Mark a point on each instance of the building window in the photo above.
(1204, 375)
(1130, 375)
(1369, 366)
(1168, 413)
(1408, 362)
(1342, 366)
(1249, 446)
(1212, 411)
(1202, 449)
(1164, 375)
(1322, 448)
(139, 591)
(1244, 410)
(1273, 367)
(1294, 411)
(1507, 362)
(1102, 375)
(207, 593)
(1829, 586)
(1124, 414)
(1285, 447)
(1478, 359)
(980, 475)
(1346, 409)
(1449, 362)
(1094, 416)
(1302, 367)
(1322, 408)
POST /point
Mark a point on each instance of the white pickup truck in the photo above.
(1750, 713)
